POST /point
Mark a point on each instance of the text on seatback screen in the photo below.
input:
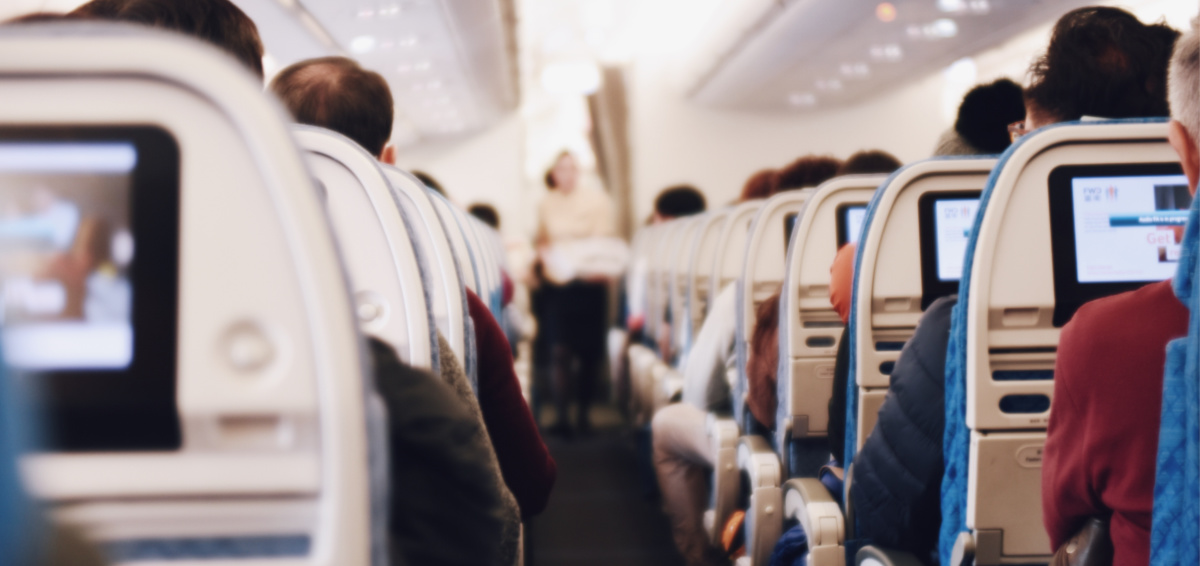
(65, 253)
(1128, 228)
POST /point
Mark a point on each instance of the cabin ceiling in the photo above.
(816, 54)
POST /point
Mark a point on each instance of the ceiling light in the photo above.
(889, 52)
(802, 99)
(422, 66)
(980, 6)
(886, 12)
(952, 6)
(944, 28)
(829, 85)
(366, 14)
(581, 77)
(362, 44)
(855, 70)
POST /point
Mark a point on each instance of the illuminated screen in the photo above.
(1128, 228)
(953, 219)
(849, 221)
(67, 248)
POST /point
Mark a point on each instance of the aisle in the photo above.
(598, 514)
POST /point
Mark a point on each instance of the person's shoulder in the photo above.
(1118, 314)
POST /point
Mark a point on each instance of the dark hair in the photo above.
(549, 178)
(337, 93)
(985, 113)
(218, 22)
(39, 17)
(1102, 62)
(759, 185)
(429, 181)
(867, 162)
(485, 212)
(680, 200)
(807, 171)
(100, 9)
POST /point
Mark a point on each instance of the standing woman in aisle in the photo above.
(573, 304)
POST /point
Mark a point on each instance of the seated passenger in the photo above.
(682, 451)
(336, 93)
(898, 471)
(984, 115)
(1101, 445)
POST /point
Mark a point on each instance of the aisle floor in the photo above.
(599, 513)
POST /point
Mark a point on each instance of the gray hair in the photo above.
(1184, 81)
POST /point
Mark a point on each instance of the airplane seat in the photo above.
(810, 329)
(703, 255)
(236, 426)
(470, 275)
(1016, 293)
(762, 276)
(680, 279)
(1175, 534)
(448, 297)
(392, 297)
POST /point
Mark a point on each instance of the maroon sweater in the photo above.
(525, 462)
(1103, 437)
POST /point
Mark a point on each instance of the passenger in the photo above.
(430, 182)
(218, 22)
(1101, 445)
(869, 162)
(572, 314)
(486, 213)
(336, 93)
(683, 455)
(983, 121)
(898, 472)
(677, 202)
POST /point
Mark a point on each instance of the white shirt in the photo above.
(585, 212)
(711, 364)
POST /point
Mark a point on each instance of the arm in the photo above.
(525, 462)
(1067, 495)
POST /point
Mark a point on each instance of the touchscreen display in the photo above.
(953, 219)
(1129, 228)
(67, 247)
(850, 221)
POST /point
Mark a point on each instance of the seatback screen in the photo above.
(1113, 228)
(945, 220)
(89, 269)
(67, 248)
(850, 219)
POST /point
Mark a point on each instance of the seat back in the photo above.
(658, 291)
(809, 327)
(637, 278)
(377, 246)
(447, 296)
(1015, 294)
(892, 285)
(703, 256)
(764, 254)
(680, 279)
(731, 248)
(265, 382)
(485, 260)
(458, 240)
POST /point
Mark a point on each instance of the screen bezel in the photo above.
(932, 287)
(130, 409)
(1069, 293)
(843, 227)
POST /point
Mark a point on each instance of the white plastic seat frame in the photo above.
(703, 256)
(446, 289)
(458, 240)
(377, 246)
(680, 281)
(1009, 326)
(256, 253)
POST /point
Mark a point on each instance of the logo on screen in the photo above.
(1097, 194)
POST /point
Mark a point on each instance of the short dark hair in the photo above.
(807, 171)
(759, 185)
(429, 181)
(985, 113)
(337, 93)
(218, 22)
(486, 213)
(680, 200)
(1102, 62)
(869, 162)
(40, 17)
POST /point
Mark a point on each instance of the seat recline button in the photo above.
(248, 348)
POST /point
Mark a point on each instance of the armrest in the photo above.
(723, 431)
(809, 502)
(873, 555)
(672, 385)
(723, 434)
(760, 462)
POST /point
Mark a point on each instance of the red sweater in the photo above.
(525, 462)
(1102, 443)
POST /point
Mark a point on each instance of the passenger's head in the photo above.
(430, 182)
(985, 113)
(338, 94)
(1101, 62)
(39, 17)
(485, 212)
(869, 162)
(807, 171)
(218, 22)
(563, 174)
(759, 185)
(1185, 109)
(680, 200)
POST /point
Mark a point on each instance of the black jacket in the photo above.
(896, 490)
